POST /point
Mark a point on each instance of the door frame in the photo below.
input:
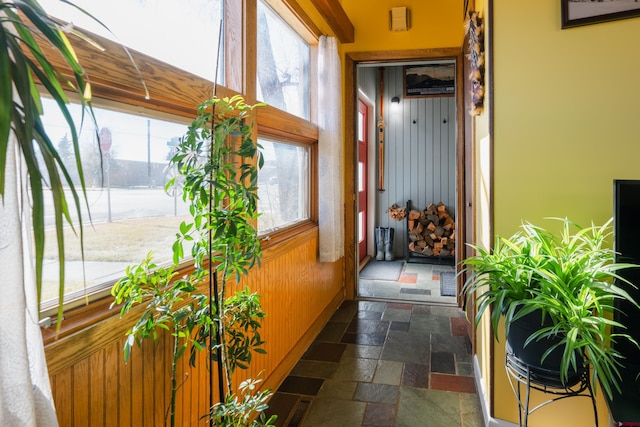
(352, 59)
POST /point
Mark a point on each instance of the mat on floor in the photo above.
(382, 270)
(447, 284)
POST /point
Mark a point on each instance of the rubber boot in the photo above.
(380, 233)
(388, 244)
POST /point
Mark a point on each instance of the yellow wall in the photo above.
(565, 126)
(434, 24)
(566, 110)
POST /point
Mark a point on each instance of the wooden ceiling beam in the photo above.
(336, 17)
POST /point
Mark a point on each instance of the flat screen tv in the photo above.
(626, 195)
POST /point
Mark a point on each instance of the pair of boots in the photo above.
(384, 243)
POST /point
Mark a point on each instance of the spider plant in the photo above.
(570, 278)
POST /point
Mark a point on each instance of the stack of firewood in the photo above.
(432, 231)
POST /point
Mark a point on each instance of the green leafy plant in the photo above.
(171, 304)
(28, 38)
(243, 410)
(569, 278)
(24, 31)
(216, 165)
(219, 162)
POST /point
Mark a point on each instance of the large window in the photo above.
(283, 185)
(183, 34)
(131, 213)
(283, 64)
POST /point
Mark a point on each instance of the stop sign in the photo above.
(105, 139)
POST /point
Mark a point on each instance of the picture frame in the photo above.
(429, 80)
(576, 13)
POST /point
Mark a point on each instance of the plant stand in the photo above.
(521, 374)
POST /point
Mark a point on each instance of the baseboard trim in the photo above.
(489, 421)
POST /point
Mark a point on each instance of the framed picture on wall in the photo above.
(429, 80)
(581, 12)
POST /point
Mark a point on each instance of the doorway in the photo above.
(401, 158)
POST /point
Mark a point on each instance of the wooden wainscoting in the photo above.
(92, 386)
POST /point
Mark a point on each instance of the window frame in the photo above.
(312, 148)
(116, 85)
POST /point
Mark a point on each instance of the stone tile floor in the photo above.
(417, 282)
(383, 364)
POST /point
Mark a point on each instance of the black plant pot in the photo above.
(545, 371)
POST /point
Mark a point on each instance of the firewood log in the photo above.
(434, 219)
(429, 240)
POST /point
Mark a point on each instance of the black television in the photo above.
(626, 228)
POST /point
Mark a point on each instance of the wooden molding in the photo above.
(352, 60)
(336, 17)
(302, 22)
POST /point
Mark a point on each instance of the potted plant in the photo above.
(217, 164)
(25, 28)
(563, 284)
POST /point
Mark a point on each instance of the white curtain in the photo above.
(25, 392)
(330, 163)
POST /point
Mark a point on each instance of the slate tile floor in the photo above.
(417, 282)
(383, 364)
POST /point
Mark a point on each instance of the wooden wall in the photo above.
(92, 385)
(420, 154)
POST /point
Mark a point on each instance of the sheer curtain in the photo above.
(330, 164)
(25, 392)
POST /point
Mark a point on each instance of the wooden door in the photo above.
(362, 179)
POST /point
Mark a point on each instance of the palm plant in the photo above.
(29, 36)
(570, 278)
(25, 71)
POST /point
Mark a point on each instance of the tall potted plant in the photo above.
(25, 28)
(217, 163)
(31, 168)
(565, 283)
